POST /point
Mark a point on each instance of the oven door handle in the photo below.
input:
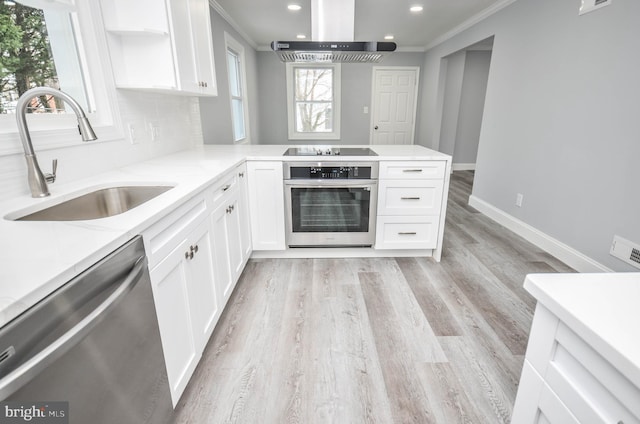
(330, 183)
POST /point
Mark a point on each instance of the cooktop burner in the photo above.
(329, 151)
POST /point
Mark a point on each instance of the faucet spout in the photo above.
(37, 180)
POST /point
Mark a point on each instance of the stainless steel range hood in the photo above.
(330, 51)
(332, 20)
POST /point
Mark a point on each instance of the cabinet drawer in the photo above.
(407, 232)
(412, 170)
(588, 385)
(224, 187)
(163, 236)
(413, 197)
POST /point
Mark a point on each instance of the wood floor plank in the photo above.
(432, 305)
(507, 314)
(409, 402)
(479, 379)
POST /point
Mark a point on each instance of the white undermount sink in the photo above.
(99, 203)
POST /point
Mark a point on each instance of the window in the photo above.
(32, 38)
(313, 101)
(53, 43)
(237, 89)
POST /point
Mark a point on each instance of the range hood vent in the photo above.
(333, 52)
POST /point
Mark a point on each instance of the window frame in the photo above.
(60, 130)
(291, 108)
(231, 44)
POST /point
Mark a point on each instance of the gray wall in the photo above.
(356, 93)
(215, 112)
(561, 119)
(451, 101)
(474, 88)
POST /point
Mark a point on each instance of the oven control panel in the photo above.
(330, 172)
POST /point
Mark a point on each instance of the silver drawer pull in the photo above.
(410, 198)
(225, 188)
(412, 170)
(407, 233)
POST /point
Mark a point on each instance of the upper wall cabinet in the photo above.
(161, 45)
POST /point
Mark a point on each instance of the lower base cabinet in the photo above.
(197, 254)
(566, 380)
(187, 305)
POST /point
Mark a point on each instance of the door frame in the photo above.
(416, 69)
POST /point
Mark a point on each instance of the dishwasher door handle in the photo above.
(25, 372)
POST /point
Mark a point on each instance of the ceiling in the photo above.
(263, 21)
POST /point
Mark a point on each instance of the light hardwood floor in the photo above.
(404, 340)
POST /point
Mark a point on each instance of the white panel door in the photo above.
(395, 94)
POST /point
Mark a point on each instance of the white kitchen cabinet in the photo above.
(161, 45)
(243, 209)
(411, 195)
(222, 257)
(567, 380)
(231, 236)
(266, 204)
(186, 304)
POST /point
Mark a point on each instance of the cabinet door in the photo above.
(203, 46)
(169, 280)
(266, 204)
(243, 212)
(236, 257)
(183, 45)
(222, 270)
(203, 298)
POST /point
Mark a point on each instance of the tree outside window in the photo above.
(314, 100)
(25, 57)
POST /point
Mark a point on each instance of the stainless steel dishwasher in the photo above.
(93, 343)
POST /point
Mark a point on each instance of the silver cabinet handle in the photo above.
(188, 255)
(241, 174)
(407, 233)
(194, 249)
(412, 170)
(18, 377)
(226, 187)
(410, 198)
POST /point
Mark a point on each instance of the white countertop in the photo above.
(603, 309)
(38, 257)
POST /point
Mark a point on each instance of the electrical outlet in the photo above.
(132, 133)
(154, 130)
(519, 199)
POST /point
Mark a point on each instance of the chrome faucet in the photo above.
(37, 180)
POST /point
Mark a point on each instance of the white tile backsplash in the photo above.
(178, 119)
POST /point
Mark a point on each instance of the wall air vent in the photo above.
(591, 5)
(626, 250)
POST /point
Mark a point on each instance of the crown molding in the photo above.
(496, 7)
(223, 13)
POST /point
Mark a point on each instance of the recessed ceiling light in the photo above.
(294, 7)
(388, 37)
(301, 36)
(416, 9)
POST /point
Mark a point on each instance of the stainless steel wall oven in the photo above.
(330, 204)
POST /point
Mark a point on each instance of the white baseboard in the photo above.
(463, 167)
(563, 252)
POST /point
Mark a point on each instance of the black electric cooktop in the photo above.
(329, 151)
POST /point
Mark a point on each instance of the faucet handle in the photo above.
(51, 178)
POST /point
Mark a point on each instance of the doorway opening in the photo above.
(461, 96)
